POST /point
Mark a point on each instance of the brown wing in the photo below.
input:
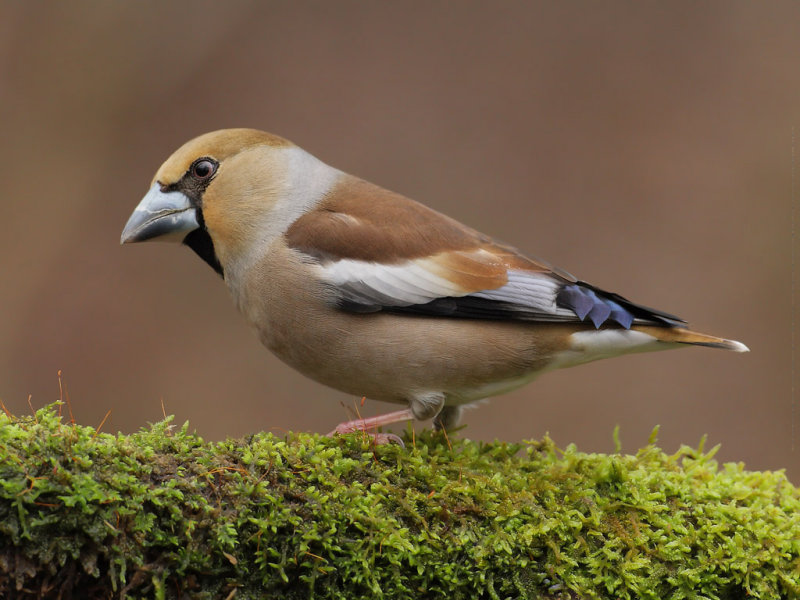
(384, 252)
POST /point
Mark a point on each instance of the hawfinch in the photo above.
(376, 295)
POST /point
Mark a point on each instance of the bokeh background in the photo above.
(646, 147)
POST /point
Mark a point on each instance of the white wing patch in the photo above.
(423, 280)
(409, 283)
(534, 291)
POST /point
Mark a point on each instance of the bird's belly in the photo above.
(393, 358)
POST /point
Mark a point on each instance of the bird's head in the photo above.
(224, 194)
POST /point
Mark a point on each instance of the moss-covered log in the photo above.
(163, 514)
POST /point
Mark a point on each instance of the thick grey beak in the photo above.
(164, 216)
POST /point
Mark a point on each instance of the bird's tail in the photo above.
(678, 335)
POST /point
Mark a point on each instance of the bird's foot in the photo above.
(369, 426)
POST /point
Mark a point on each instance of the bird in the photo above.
(376, 295)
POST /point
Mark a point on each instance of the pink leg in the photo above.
(372, 423)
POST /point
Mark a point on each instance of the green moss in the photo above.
(163, 514)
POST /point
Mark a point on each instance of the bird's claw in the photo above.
(378, 439)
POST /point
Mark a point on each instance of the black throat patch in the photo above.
(198, 240)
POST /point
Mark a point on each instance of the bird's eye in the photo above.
(203, 168)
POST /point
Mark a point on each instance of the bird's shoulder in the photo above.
(358, 220)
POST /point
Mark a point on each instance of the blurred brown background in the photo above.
(646, 147)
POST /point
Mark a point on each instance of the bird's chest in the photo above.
(287, 306)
